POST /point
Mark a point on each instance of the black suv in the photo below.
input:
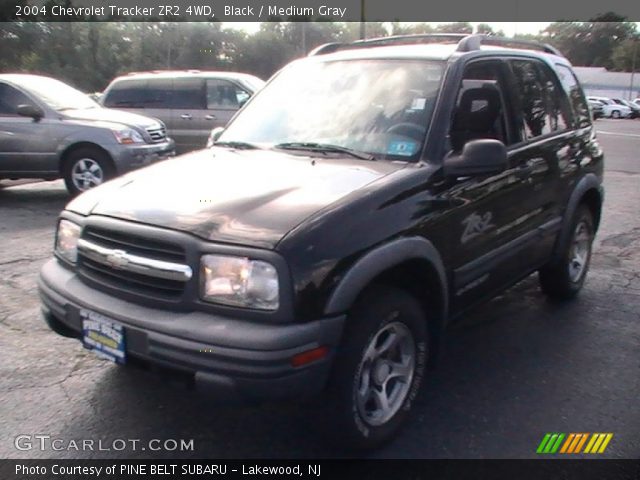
(366, 197)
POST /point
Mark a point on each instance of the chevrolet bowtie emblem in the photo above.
(117, 259)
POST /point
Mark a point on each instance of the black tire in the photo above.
(615, 114)
(561, 280)
(376, 316)
(98, 163)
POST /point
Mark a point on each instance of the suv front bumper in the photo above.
(244, 361)
(131, 157)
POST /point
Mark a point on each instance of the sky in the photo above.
(509, 28)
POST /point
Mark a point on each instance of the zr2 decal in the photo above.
(475, 225)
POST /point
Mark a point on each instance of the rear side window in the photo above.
(576, 95)
(188, 94)
(158, 93)
(10, 98)
(531, 90)
(555, 100)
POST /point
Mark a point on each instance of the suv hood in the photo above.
(112, 116)
(251, 198)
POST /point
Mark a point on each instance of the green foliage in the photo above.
(590, 43)
(90, 54)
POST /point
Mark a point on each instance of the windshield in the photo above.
(58, 95)
(381, 107)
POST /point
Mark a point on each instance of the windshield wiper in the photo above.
(237, 145)
(324, 148)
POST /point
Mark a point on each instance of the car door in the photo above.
(26, 146)
(224, 99)
(188, 114)
(547, 146)
(489, 227)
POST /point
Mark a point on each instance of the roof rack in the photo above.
(465, 43)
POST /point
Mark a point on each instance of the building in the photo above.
(600, 82)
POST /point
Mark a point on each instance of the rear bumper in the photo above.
(236, 359)
(131, 157)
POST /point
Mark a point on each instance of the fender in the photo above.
(383, 258)
(586, 183)
(99, 137)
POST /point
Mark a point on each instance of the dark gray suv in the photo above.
(51, 130)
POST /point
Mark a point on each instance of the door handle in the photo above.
(185, 116)
(210, 117)
(523, 172)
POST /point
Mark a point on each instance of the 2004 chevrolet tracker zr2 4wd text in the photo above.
(368, 195)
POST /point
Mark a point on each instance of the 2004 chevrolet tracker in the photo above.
(368, 195)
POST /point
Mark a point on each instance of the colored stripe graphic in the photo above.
(581, 442)
(598, 443)
(607, 439)
(573, 442)
(567, 442)
(550, 443)
(543, 443)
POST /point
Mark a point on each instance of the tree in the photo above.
(626, 56)
(487, 29)
(590, 43)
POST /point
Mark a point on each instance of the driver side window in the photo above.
(10, 98)
(480, 107)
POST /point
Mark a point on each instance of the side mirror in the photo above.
(478, 157)
(214, 136)
(30, 111)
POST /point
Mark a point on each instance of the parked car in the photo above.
(610, 109)
(362, 201)
(635, 109)
(50, 130)
(597, 108)
(190, 103)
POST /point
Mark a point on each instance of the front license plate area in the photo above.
(103, 335)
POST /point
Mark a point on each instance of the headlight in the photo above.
(67, 240)
(239, 281)
(128, 136)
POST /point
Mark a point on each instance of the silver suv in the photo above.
(191, 103)
(50, 130)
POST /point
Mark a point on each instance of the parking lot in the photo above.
(513, 370)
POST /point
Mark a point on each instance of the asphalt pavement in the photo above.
(517, 368)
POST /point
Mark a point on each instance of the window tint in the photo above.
(188, 94)
(531, 91)
(225, 95)
(158, 93)
(555, 100)
(480, 111)
(576, 96)
(10, 98)
(127, 94)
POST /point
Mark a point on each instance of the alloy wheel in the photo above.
(580, 252)
(385, 374)
(86, 173)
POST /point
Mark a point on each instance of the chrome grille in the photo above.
(142, 267)
(157, 134)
